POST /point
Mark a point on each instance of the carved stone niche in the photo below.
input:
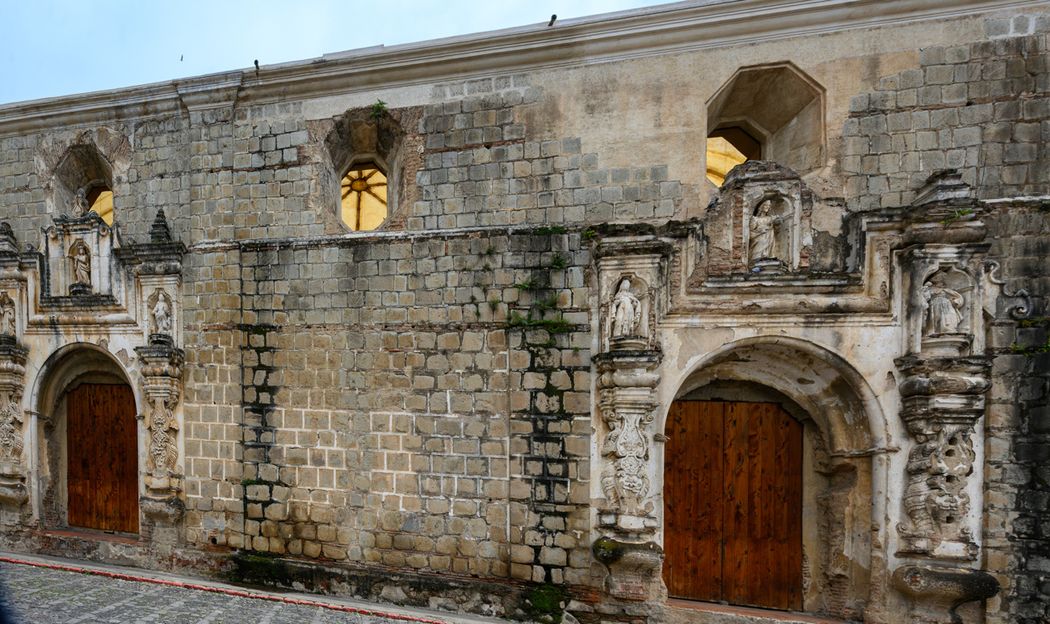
(81, 262)
(760, 223)
(632, 271)
(157, 266)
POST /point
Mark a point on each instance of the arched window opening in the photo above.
(364, 197)
(100, 200)
(727, 148)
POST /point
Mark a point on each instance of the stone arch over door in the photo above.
(842, 472)
(85, 385)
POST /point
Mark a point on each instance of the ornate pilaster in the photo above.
(13, 492)
(162, 385)
(631, 271)
(158, 269)
(945, 373)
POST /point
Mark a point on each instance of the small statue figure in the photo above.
(7, 315)
(943, 308)
(763, 241)
(626, 311)
(81, 261)
(161, 314)
(80, 205)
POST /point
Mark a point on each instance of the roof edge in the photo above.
(664, 28)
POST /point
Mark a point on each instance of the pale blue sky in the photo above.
(53, 47)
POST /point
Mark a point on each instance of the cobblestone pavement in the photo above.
(35, 595)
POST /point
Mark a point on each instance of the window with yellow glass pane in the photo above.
(727, 148)
(363, 197)
(100, 199)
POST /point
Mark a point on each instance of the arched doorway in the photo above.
(733, 503)
(89, 447)
(778, 440)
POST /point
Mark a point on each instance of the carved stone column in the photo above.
(158, 270)
(945, 373)
(162, 384)
(13, 492)
(631, 271)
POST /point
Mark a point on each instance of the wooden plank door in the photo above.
(102, 474)
(733, 504)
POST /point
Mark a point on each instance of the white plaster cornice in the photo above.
(666, 28)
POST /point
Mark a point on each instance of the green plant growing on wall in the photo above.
(958, 213)
(378, 109)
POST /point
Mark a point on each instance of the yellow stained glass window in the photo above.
(102, 204)
(721, 157)
(363, 197)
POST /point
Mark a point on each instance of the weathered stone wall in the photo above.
(1018, 425)
(980, 108)
(417, 403)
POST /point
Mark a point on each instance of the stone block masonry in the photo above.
(420, 403)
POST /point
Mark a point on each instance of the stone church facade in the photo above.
(567, 375)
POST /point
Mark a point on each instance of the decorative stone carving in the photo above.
(945, 588)
(771, 235)
(8, 321)
(627, 401)
(80, 266)
(943, 307)
(627, 380)
(160, 316)
(79, 206)
(12, 379)
(625, 311)
(943, 400)
(162, 384)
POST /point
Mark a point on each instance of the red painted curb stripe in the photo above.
(222, 590)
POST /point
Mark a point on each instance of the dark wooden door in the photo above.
(102, 458)
(733, 504)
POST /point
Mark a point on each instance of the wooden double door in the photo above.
(733, 504)
(102, 458)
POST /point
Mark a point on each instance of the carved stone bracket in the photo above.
(944, 587)
(162, 384)
(12, 383)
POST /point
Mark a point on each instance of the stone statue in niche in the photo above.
(160, 315)
(625, 313)
(768, 245)
(7, 315)
(80, 206)
(943, 307)
(80, 263)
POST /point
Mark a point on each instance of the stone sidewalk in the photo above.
(37, 593)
